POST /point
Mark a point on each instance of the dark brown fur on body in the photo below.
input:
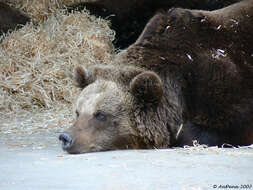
(196, 68)
(129, 17)
(11, 18)
(210, 53)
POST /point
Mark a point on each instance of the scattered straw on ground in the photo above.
(36, 62)
(30, 123)
(34, 129)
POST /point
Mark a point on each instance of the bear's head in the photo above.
(106, 110)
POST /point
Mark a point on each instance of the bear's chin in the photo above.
(89, 150)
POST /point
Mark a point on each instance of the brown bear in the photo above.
(189, 76)
(129, 17)
(10, 18)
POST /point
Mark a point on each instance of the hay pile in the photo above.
(36, 62)
(40, 10)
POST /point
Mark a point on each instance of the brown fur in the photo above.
(129, 17)
(214, 92)
(10, 18)
(192, 71)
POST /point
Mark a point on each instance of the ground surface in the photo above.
(31, 159)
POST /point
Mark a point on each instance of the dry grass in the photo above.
(40, 10)
(36, 62)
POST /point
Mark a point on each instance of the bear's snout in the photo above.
(67, 141)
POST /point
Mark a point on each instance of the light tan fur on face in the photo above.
(92, 97)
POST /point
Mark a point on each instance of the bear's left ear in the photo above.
(147, 87)
(81, 77)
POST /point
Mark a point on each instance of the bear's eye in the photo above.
(99, 116)
(77, 113)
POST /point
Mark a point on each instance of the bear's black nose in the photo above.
(67, 141)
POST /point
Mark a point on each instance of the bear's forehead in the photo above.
(97, 95)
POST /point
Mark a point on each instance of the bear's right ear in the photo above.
(81, 77)
(147, 87)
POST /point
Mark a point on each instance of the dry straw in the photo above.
(36, 62)
(40, 10)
